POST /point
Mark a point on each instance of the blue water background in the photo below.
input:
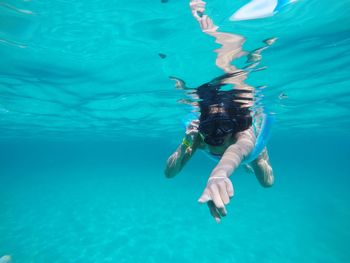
(88, 118)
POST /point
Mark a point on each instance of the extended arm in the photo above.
(219, 189)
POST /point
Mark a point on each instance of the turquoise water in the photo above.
(88, 117)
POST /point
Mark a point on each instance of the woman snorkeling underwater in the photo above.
(227, 127)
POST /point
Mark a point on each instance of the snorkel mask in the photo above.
(215, 128)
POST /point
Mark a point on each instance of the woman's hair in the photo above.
(228, 104)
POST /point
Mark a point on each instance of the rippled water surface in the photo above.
(88, 117)
(94, 68)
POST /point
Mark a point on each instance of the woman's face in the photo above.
(217, 130)
(218, 141)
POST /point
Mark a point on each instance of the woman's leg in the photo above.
(262, 169)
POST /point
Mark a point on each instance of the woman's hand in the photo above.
(205, 22)
(191, 135)
(217, 195)
(198, 8)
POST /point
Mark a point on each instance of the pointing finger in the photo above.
(223, 193)
(217, 199)
(229, 188)
(214, 212)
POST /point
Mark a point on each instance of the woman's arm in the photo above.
(219, 188)
(184, 151)
(235, 153)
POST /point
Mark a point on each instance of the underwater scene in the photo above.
(174, 131)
